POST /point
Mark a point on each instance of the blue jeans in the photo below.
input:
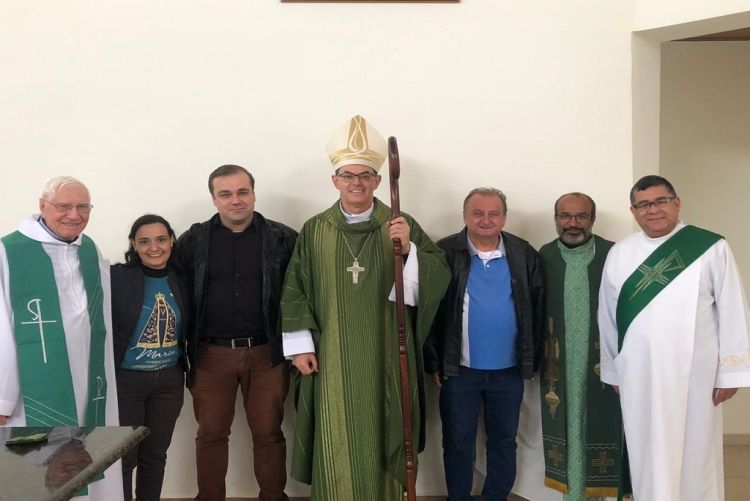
(501, 392)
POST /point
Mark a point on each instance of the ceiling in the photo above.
(743, 34)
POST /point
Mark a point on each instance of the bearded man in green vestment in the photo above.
(340, 330)
(580, 415)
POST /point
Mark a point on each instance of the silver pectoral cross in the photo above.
(354, 269)
(36, 318)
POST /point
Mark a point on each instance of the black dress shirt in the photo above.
(234, 297)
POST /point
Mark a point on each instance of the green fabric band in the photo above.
(41, 348)
(658, 270)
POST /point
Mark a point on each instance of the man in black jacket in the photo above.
(485, 340)
(234, 264)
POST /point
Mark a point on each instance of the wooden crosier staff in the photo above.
(394, 168)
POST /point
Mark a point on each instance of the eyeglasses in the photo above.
(65, 208)
(348, 177)
(658, 203)
(580, 218)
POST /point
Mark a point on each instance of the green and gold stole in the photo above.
(43, 365)
(598, 451)
(659, 269)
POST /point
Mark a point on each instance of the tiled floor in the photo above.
(736, 472)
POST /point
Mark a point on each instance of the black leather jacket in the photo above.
(277, 241)
(442, 350)
(128, 285)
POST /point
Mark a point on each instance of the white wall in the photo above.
(705, 152)
(142, 100)
(135, 97)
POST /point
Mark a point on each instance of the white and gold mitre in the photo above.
(357, 142)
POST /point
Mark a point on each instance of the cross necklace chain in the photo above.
(355, 268)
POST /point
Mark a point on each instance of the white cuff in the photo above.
(740, 379)
(411, 279)
(7, 407)
(609, 375)
(297, 342)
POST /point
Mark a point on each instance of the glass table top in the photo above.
(68, 460)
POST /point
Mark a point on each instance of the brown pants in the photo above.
(218, 372)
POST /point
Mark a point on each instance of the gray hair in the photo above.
(487, 192)
(55, 184)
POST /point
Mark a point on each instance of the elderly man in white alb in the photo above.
(56, 361)
(673, 323)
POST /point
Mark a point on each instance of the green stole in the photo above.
(592, 455)
(43, 366)
(659, 269)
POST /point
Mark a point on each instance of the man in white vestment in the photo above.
(673, 324)
(56, 360)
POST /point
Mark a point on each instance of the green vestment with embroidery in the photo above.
(348, 438)
(580, 415)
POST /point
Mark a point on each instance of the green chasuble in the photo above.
(349, 439)
(580, 415)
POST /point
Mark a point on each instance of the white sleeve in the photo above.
(9, 385)
(733, 321)
(297, 342)
(411, 279)
(608, 336)
(112, 414)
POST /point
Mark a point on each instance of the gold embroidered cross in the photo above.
(555, 455)
(603, 462)
(656, 273)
